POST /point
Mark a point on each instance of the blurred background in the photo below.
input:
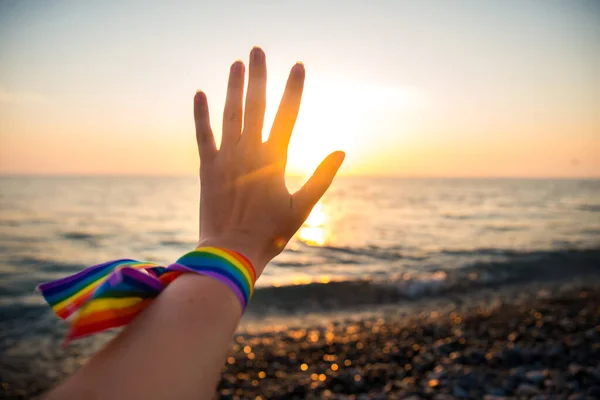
(456, 254)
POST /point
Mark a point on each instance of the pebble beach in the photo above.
(523, 342)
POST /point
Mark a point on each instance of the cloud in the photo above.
(21, 98)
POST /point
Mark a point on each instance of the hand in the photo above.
(244, 203)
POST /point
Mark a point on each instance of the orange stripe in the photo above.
(112, 313)
(72, 306)
(242, 260)
(89, 329)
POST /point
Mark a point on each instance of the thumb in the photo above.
(316, 186)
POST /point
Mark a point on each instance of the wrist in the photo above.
(241, 244)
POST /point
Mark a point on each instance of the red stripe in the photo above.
(98, 327)
(169, 277)
(99, 316)
(70, 308)
(101, 321)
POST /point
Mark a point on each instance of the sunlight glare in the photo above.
(313, 231)
(337, 114)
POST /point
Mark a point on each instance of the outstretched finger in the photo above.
(288, 111)
(232, 115)
(204, 135)
(309, 194)
(256, 98)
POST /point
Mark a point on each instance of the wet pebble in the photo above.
(526, 389)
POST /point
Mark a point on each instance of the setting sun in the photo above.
(339, 114)
(321, 127)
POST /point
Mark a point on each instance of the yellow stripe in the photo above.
(107, 304)
(92, 286)
(237, 263)
(232, 260)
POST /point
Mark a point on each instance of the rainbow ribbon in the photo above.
(111, 294)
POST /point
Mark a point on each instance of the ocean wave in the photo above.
(376, 252)
(479, 252)
(291, 264)
(589, 207)
(177, 243)
(76, 235)
(45, 265)
(392, 286)
(20, 275)
(475, 216)
(341, 255)
(9, 222)
(506, 228)
(339, 295)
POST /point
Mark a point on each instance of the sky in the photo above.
(406, 88)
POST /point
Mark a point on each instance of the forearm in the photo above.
(174, 349)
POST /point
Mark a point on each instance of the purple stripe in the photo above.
(232, 285)
(115, 277)
(87, 271)
(141, 277)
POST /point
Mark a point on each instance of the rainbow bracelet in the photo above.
(111, 294)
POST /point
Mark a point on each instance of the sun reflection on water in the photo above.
(313, 231)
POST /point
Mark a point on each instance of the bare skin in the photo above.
(175, 348)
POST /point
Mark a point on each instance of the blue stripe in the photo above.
(242, 285)
(53, 296)
(203, 260)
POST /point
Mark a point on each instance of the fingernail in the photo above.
(237, 66)
(298, 69)
(256, 54)
(200, 97)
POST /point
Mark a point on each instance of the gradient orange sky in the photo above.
(407, 88)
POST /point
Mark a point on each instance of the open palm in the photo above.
(244, 202)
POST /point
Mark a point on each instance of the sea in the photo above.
(369, 242)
